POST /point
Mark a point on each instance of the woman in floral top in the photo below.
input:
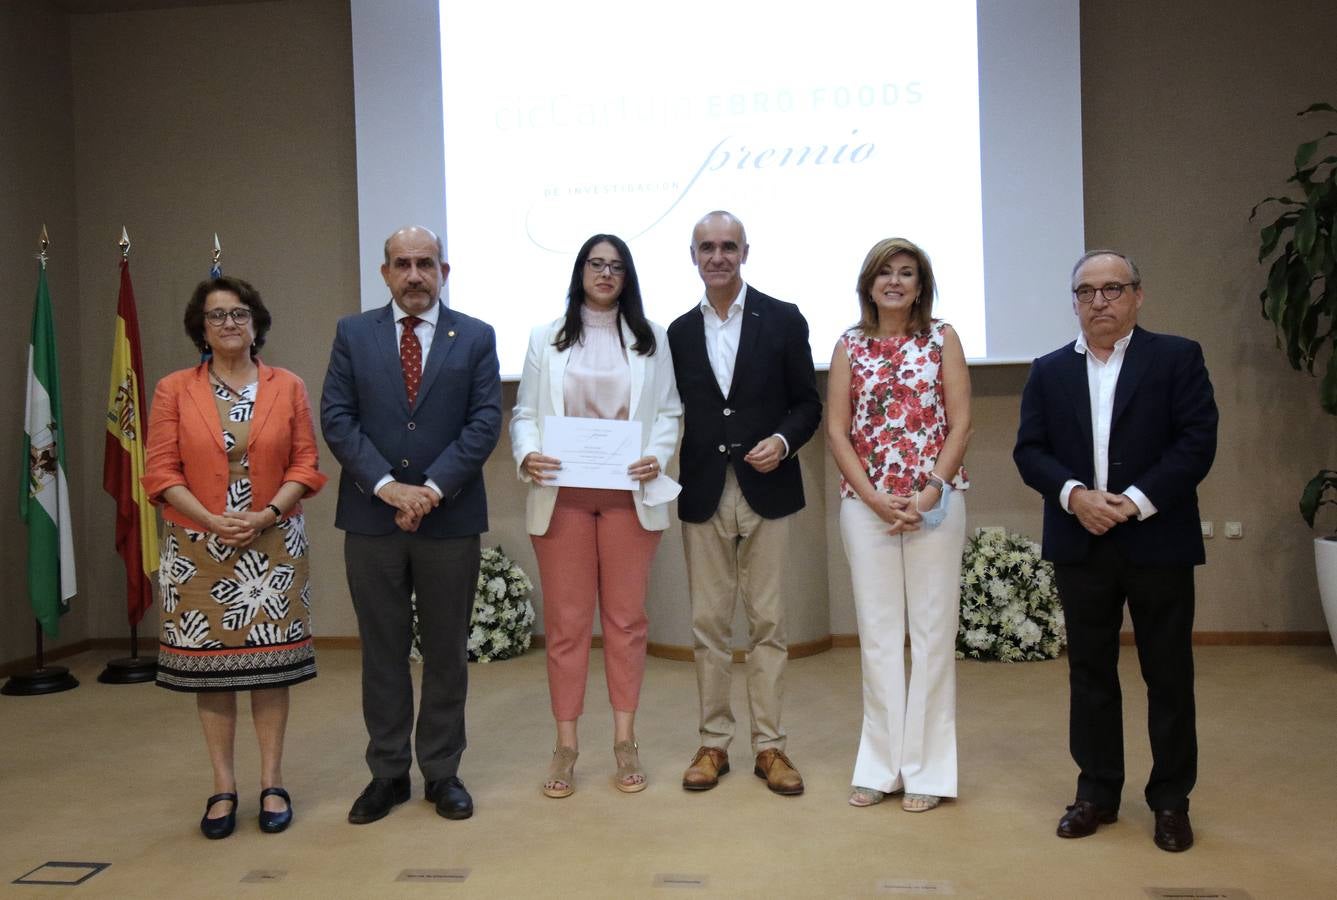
(898, 397)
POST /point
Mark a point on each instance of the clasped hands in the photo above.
(411, 503)
(543, 469)
(1099, 511)
(902, 512)
(237, 528)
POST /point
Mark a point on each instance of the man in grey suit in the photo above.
(411, 408)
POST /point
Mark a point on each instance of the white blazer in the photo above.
(654, 403)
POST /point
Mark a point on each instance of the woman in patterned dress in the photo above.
(231, 453)
(898, 421)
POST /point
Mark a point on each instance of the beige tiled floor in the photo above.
(117, 774)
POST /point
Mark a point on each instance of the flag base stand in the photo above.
(43, 680)
(129, 670)
(132, 669)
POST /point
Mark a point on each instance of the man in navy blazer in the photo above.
(749, 394)
(411, 408)
(1117, 430)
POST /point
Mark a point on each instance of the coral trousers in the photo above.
(594, 549)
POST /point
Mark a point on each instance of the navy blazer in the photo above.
(446, 436)
(1162, 439)
(774, 390)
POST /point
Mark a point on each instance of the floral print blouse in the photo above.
(899, 421)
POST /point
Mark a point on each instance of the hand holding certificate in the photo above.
(593, 453)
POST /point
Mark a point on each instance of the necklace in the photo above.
(223, 384)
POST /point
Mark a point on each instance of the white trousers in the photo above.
(909, 735)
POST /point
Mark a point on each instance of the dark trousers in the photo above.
(383, 571)
(1160, 602)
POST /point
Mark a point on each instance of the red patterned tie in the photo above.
(410, 357)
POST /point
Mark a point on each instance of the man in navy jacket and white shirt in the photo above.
(1117, 430)
(749, 395)
(411, 408)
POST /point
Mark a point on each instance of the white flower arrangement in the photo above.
(1009, 604)
(502, 614)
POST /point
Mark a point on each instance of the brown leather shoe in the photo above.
(1173, 830)
(780, 774)
(1083, 818)
(706, 768)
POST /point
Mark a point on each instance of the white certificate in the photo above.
(595, 453)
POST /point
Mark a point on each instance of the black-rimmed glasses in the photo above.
(598, 264)
(239, 316)
(1111, 292)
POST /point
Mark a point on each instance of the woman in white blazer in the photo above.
(602, 359)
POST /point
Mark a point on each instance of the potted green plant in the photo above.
(1300, 300)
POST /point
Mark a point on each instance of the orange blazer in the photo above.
(185, 441)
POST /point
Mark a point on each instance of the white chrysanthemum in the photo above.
(1029, 634)
(978, 638)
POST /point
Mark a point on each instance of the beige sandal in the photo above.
(561, 775)
(630, 775)
(917, 803)
(862, 796)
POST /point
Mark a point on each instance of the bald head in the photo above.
(719, 249)
(416, 233)
(720, 217)
(414, 269)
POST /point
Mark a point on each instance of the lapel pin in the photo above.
(450, 334)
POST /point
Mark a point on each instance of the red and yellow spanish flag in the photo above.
(123, 459)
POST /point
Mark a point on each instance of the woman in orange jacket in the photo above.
(231, 453)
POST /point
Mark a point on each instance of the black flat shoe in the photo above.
(274, 822)
(214, 829)
(378, 798)
(451, 798)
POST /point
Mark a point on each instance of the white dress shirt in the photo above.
(722, 337)
(425, 330)
(1101, 379)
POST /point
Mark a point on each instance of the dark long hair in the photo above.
(629, 305)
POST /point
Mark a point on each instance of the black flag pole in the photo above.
(42, 680)
(132, 669)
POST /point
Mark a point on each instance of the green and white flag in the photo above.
(44, 492)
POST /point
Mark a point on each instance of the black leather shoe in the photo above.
(451, 799)
(378, 798)
(214, 829)
(1173, 831)
(274, 822)
(1083, 818)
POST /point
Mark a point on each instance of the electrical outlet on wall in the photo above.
(1207, 530)
(1234, 530)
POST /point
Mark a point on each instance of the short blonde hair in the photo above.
(921, 315)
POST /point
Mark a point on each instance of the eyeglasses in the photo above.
(239, 316)
(615, 266)
(1111, 292)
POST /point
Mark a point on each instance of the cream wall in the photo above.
(239, 119)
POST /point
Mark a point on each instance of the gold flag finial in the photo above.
(218, 250)
(124, 243)
(43, 243)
